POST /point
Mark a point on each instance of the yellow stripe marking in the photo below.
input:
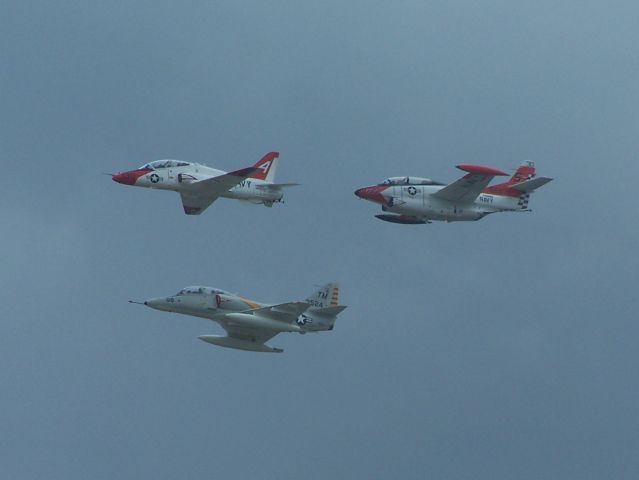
(250, 303)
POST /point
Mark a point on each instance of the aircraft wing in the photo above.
(250, 329)
(242, 335)
(468, 188)
(203, 193)
(254, 335)
(284, 312)
(194, 203)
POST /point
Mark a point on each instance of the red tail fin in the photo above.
(526, 171)
(266, 167)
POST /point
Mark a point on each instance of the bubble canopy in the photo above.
(158, 164)
(409, 181)
(201, 291)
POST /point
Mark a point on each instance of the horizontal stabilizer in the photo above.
(229, 342)
(530, 185)
(318, 319)
(405, 219)
(329, 311)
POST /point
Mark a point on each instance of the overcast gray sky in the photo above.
(501, 349)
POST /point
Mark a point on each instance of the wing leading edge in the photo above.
(468, 188)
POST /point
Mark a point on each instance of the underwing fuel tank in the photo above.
(255, 321)
(229, 342)
(406, 220)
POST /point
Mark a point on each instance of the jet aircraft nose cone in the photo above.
(125, 178)
(373, 194)
(157, 303)
(130, 177)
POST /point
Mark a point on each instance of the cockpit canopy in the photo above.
(409, 181)
(158, 164)
(201, 291)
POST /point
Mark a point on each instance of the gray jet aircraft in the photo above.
(250, 324)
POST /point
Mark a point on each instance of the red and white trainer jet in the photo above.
(415, 200)
(199, 185)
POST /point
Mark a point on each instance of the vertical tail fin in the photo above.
(266, 167)
(526, 171)
(326, 296)
(324, 309)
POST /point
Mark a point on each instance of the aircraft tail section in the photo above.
(531, 185)
(520, 185)
(317, 319)
(324, 309)
(326, 296)
(329, 311)
(266, 167)
(524, 172)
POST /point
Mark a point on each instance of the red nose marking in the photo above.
(129, 178)
(374, 194)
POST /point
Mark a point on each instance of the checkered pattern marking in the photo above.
(523, 200)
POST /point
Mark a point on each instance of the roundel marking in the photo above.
(412, 191)
(154, 178)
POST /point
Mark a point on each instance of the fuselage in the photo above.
(204, 302)
(233, 311)
(250, 324)
(416, 200)
(178, 176)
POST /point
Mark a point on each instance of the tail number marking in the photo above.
(265, 166)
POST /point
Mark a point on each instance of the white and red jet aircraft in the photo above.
(250, 324)
(415, 200)
(199, 185)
